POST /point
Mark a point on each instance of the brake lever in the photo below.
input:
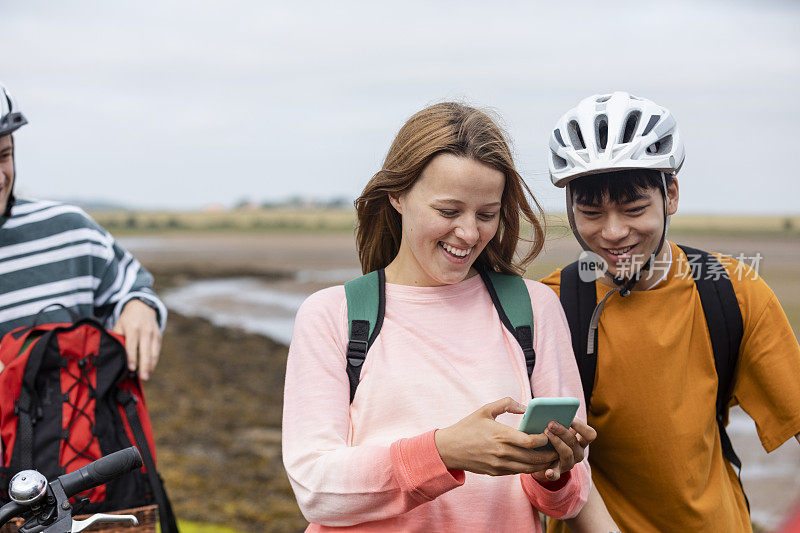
(100, 518)
(80, 503)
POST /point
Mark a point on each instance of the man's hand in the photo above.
(139, 323)
(570, 444)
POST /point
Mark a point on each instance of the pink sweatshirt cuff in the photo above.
(554, 486)
(420, 469)
(562, 499)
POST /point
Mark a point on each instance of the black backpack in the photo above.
(723, 318)
(366, 306)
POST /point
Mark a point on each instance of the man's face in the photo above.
(6, 169)
(626, 234)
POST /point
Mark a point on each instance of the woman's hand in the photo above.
(570, 444)
(477, 443)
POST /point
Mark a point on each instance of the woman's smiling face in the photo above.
(449, 216)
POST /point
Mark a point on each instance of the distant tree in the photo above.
(243, 203)
(269, 204)
(295, 201)
(338, 202)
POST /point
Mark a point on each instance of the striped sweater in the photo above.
(53, 253)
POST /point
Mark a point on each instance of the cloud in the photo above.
(183, 103)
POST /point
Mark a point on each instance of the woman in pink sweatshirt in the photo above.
(429, 442)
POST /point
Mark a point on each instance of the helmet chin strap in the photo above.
(10, 200)
(666, 216)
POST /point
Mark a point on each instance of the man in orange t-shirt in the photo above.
(657, 461)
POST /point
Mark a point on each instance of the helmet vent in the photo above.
(559, 162)
(630, 126)
(661, 147)
(602, 99)
(575, 136)
(601, 131)
(651, 124)
(10, 118)
(559, 138)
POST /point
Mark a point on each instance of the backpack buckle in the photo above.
(19, 408)
(34, 411)
(124, 397)
(356, 352)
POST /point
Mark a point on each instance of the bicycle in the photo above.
(45, 506)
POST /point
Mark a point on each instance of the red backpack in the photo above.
(67, 399)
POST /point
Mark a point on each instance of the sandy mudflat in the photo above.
(219, 432)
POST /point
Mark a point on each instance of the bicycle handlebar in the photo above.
(96, 473)
(10, 510)
(101, 471)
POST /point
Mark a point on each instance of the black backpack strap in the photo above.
(512, 301)
(166, 517)
(725, 327)
(579, 298)
(27, 405)
(73, 316)
(366, 306)
(27, 408)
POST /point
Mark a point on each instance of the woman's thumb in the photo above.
(504, 405)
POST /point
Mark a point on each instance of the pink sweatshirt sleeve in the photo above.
(336, 484)
(556, 374)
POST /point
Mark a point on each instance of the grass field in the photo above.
(264, 220)
(343, 220)
(197, 527)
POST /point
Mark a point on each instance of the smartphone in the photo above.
(541, 411)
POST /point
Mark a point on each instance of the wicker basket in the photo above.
(148, 518)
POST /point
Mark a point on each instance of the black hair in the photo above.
(620, 186)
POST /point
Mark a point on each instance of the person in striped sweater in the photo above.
(54, 259)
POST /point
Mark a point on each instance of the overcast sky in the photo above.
(178, 104)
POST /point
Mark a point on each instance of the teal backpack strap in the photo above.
(366, 305)
(513, 303)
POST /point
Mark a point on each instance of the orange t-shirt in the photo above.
(657, 460)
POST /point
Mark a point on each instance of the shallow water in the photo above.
(772, 481)
(246, 303)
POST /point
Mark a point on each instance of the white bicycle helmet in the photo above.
(616, 131)
(11, 118)
(606, 133)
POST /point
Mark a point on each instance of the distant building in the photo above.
(214, 208)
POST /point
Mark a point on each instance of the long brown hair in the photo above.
(448, 127)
